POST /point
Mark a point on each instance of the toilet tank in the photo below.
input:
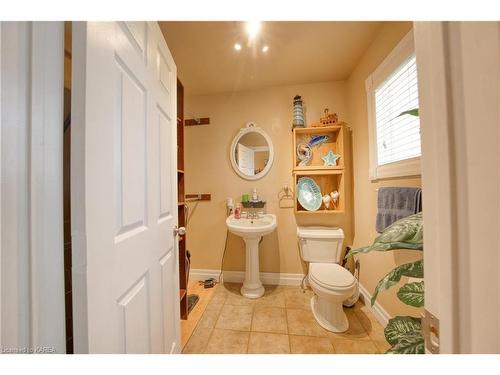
(320, 244)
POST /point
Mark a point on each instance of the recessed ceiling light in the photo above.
(237, 46)
(253, 28)
(265, 49)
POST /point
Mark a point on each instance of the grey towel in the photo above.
(395, 203)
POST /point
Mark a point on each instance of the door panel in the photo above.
(135, 318)
(168, 266)
(136, 33)
(165, 75)
(164, 164)
(125, 254)
(130, 152)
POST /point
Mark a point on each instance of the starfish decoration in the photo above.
(330, 159)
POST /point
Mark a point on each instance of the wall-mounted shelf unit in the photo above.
(335, 143)
(328, 178)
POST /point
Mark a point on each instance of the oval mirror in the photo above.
(252, 152)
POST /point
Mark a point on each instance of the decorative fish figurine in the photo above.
(318, 139)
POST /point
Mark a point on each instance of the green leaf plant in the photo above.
(415, 269)
(403, 333)
(412, 294)
(412, 112)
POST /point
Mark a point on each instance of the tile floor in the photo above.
(280, 322)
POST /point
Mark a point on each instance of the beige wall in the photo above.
(208, 170)
(374, 265)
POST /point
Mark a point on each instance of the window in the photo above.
(391, 90)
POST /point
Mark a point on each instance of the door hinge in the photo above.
(430, 328)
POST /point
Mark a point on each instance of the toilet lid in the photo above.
(331, 275)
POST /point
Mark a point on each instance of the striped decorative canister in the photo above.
(298, 112)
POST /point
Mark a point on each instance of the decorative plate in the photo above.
(309, 194)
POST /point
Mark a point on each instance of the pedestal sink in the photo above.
(252, 230)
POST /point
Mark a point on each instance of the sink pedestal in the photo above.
(252, 286)
(252, 230)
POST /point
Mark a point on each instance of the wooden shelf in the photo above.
(313, 168)
(327, 181)
(199, 197)
(181, 203)
(319, 172)
(318, 129)
(320, 211)
(180, 171)
(197, 121)
(335, 143)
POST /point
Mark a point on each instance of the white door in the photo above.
(459, 72)
(246, 160)
(124, 206)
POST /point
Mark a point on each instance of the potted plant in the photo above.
(403, 333)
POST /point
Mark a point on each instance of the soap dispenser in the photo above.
(255, 197)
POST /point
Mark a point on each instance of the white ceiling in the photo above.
(299, 52)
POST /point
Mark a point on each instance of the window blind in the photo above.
(398, 138)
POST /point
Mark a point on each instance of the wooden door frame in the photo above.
(456, 64)
(437, 170)
(31, 248)
(78, 238)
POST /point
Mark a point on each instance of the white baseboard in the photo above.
(377, 310)
(269, 278)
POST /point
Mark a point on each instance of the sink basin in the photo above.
(252, 230)
(244, 227)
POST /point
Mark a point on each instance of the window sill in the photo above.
(404, 168)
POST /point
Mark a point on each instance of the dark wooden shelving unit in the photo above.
(183, 265)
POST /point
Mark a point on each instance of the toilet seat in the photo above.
(331, 276)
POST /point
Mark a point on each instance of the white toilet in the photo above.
(331, 283)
